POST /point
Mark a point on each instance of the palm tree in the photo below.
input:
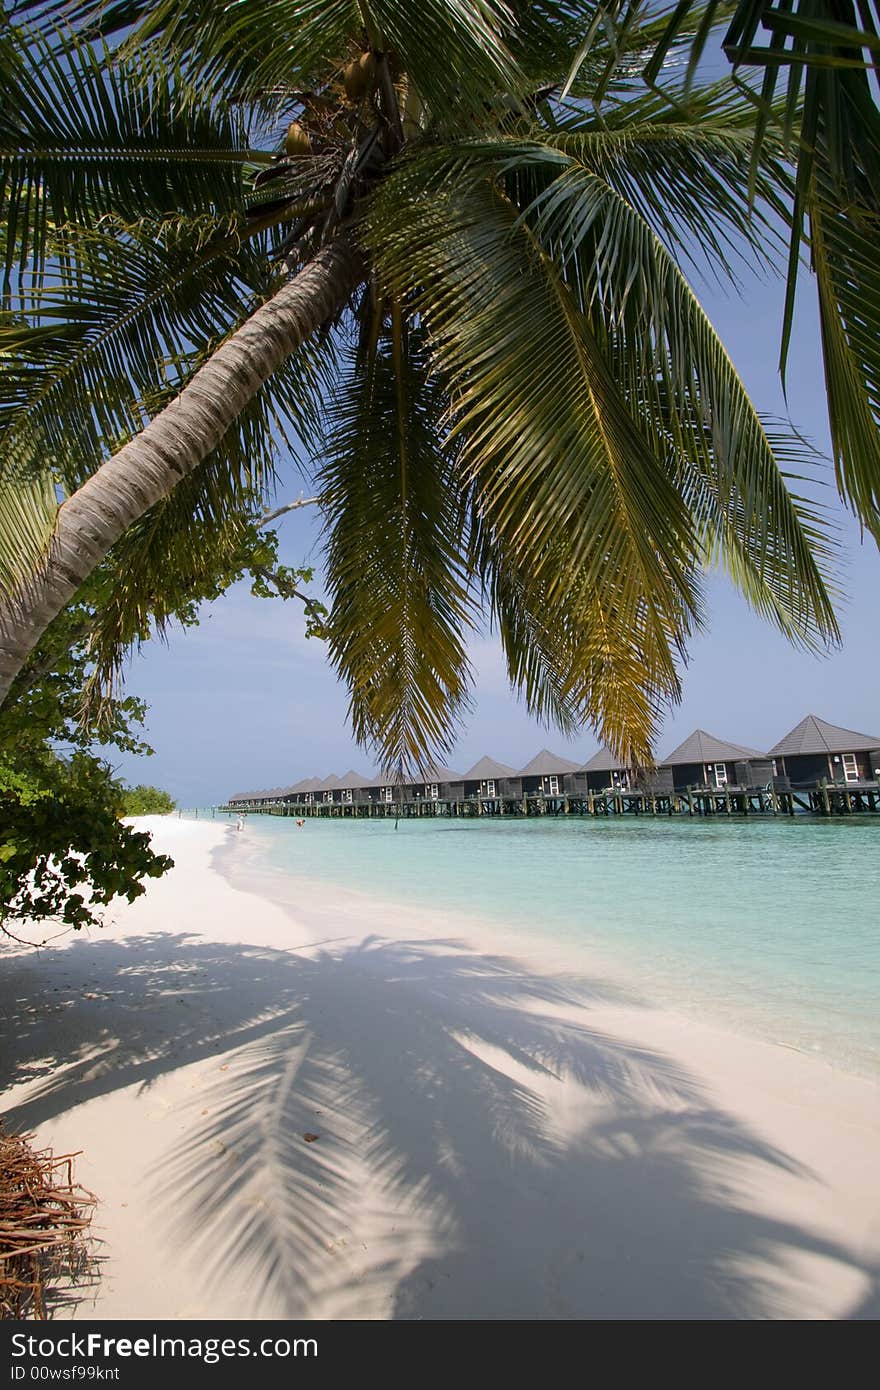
(385, 226)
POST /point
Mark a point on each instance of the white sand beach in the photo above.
(496, 1129)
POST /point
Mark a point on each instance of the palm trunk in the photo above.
(172, 445)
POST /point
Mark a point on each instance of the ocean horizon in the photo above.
(768, 927)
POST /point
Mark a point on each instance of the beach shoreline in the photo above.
(249, 863)
(498, 1132)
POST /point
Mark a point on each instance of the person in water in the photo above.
(240, 825)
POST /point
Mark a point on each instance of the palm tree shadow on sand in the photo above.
(452, 1174)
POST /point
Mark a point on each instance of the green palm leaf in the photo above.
(260, 52)
(122, 314)
(28, 507)
(662, 349)
(401, 604)
(820, 54)
(548, 444)
(680, 379)
(574, 662)
(82, 136)
(844, 257)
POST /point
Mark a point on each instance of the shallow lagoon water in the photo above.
(768, 926)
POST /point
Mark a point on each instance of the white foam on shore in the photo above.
(502, 1130)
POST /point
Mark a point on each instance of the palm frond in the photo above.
(547, 441)
(571, 659)
(128, 311)
(616, 42)
(691, 183)
(668, 361)
(396, 573)
(680, 380)
(477, 32)
(83, 136)
(818, 92)
(845, 261)
(28, 507)
(252, 52)
(534, 646)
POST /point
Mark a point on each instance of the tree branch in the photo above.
(289, 507)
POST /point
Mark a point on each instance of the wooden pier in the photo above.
(822, 799)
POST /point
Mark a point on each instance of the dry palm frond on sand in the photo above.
(44, 1220)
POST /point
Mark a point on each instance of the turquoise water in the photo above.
(772, 927)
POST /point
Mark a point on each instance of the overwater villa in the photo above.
(353, 788)
(546, 775)
(815, 750)
(817, 766)
(488, 780)
(702, 760)
(605, 770)
(440, 784)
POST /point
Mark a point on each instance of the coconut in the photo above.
(369, 68)
(297, 140)
(354, 80)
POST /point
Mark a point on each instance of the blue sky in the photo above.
(245, 701)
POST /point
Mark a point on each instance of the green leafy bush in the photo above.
(64, 851)
(147, 801)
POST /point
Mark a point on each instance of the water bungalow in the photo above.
(489, 780)
(606, 775)
(325, 789)
(440, 784)
(545, 775)
(815, 751)
(816, 767)
(703, 761)
(352, 790)
(605, 772)
(293, 794)
(269, 796)
(309, 790)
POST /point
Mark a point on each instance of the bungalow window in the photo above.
(718, 774)
(346, 795)
(386, 794)
(850, 767)
(432, 790)
(328, 796)
(489, 788)
(551, 786)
